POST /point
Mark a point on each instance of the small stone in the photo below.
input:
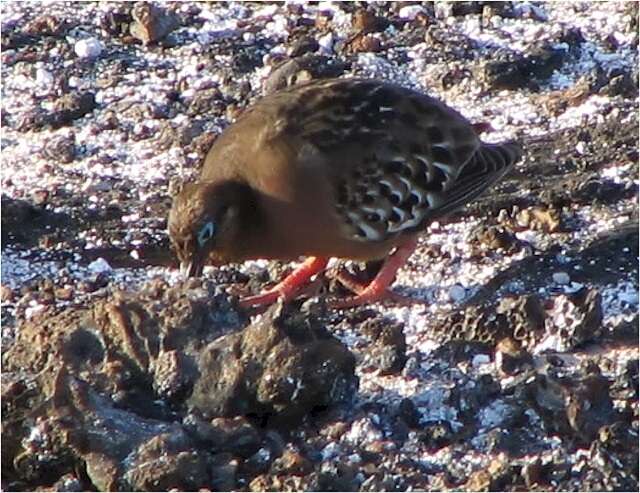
(409, 413)
(480, 359)
(323, 20)
(292, 462)
(363, 44)
(410, 12)
(40, 197)
(364, 20)
(44, 78)
(64, 294)
(326, 44)
(387, 351)
(88, 48)
(457, 293)
(302, 46)
(511, 358)
(61, 148)
(561, 278)
(6, 293)
(152, 23)
(99, 266)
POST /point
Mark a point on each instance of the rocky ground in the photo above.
(519, 372)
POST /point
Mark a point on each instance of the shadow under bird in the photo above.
(346, 168)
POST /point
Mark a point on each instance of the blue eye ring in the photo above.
(205, 233)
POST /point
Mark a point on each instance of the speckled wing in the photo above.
(396, 158)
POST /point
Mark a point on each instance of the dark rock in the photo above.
(437, 434)
(576, 318)
(236, 435)
(115, 22)
(511, 358)
(366, 21)
(616, 452)
(278, 367)
(387, 351)
(495, 9)
(125, 348)
(167, 460)
(360, 43)
(303, 45)
(513, 442)
(291, 462)
(61, 148)
(68, 482)
(206, 102)
(336, 477)
(601, 190)
(224, 472)
(47, 25)
(460, 9)
(590, 406)
(81, 425)
(623, 84)
(521, 318)
(246, 58)
(491, 478)
(65, 110)
(510, 70)
(15, 214)
(533, 474)
(496, 237)
(408, 412)
(576, 408)
(14, 38)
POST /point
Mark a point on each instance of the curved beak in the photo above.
(192, 267)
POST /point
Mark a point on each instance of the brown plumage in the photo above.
(348, 168)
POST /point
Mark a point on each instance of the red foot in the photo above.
(358, 287)
(378, 289)
(290, 286)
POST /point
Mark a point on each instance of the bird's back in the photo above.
(365, 161)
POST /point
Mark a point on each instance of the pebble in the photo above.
(88, 48)
(65, 294)
(410, 12)
(457, 293)
(44, 78)
(99, 265)
(326, 44)
(561, 278)
(480, 359)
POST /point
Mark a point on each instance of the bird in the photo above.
(347, 168)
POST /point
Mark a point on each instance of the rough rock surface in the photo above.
(112, 384)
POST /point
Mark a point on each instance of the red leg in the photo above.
(377, 289)
(290, 286)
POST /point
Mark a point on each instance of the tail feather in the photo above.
(488, 165)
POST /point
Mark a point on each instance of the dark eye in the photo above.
(205, 233)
